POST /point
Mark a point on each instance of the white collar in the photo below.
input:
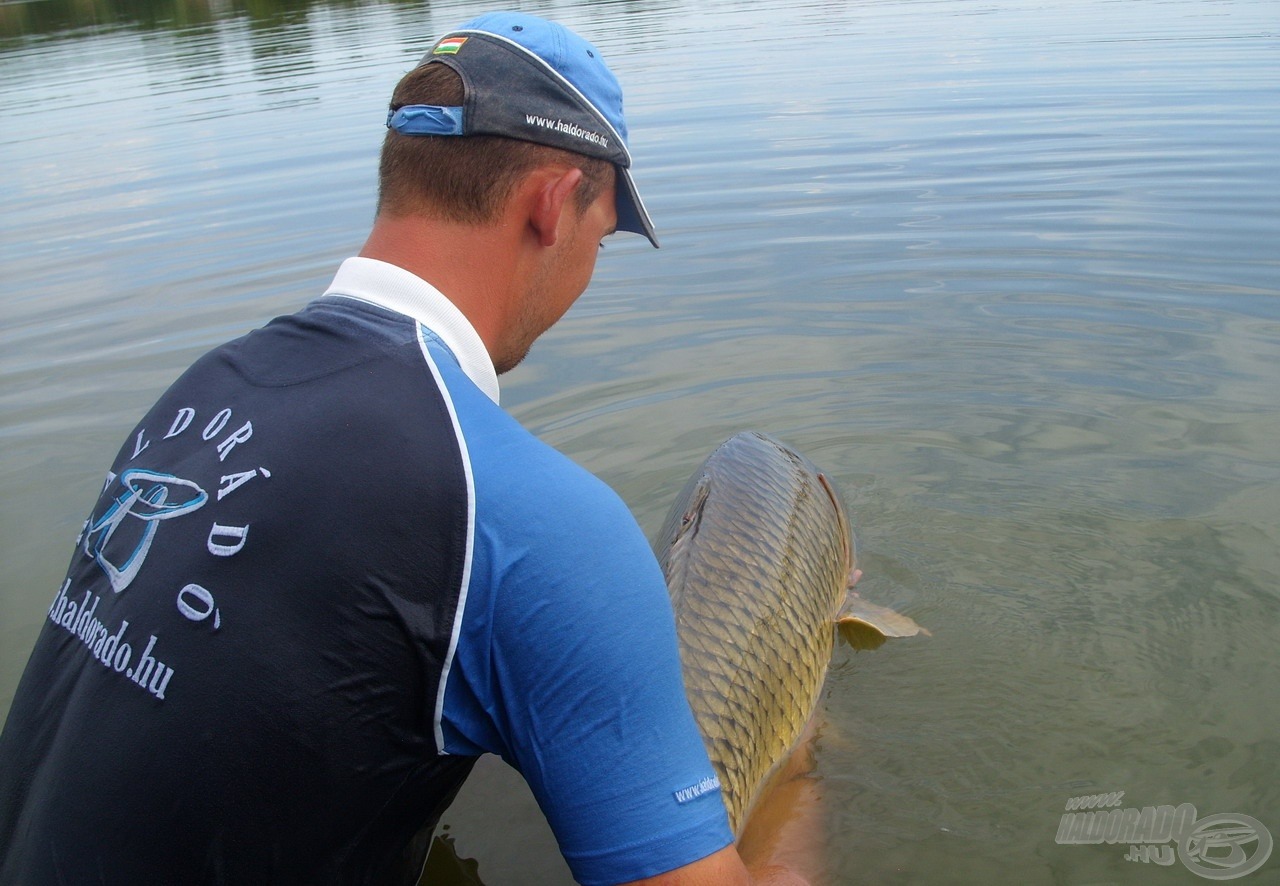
(394, 288)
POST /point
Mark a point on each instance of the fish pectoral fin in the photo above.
(866, 625)
(860, 634)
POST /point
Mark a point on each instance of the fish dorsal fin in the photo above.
(866, 625)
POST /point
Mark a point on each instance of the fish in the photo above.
(760, 560)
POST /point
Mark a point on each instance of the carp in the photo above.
(760, 560)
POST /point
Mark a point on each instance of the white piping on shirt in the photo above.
(438, 717)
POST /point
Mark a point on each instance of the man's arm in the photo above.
(782, 843)
(724, 868)
(571, 640)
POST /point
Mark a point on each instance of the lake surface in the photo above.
(1007, 270)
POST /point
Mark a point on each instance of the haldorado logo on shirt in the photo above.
(148, 497)
(120, 539)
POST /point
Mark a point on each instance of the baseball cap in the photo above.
(532, 79)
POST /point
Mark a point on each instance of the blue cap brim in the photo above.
(632, 215)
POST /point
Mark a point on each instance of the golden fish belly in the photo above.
(757, 553)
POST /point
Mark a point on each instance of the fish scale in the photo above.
(757, 554)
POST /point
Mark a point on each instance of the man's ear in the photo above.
(551, 201)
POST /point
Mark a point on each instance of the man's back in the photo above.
(254, 624)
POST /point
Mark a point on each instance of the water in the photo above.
(1006, 269)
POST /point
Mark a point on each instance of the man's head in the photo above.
(492, 101)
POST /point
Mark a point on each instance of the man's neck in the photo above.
(473, 266)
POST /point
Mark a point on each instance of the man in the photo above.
(327, 571)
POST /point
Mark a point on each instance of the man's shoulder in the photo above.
(533, 479)
(320, 340)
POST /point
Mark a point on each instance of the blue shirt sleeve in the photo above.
(567, 664)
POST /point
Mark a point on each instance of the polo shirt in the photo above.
(326, 571)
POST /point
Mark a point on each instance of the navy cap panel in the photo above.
(540, 85)
(543, 110)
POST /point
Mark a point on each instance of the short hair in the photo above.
(464, 179)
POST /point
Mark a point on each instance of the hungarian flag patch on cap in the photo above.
(449, 46)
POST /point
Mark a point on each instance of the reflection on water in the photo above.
(1005, 271)
(445, 868)
(55, 17)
